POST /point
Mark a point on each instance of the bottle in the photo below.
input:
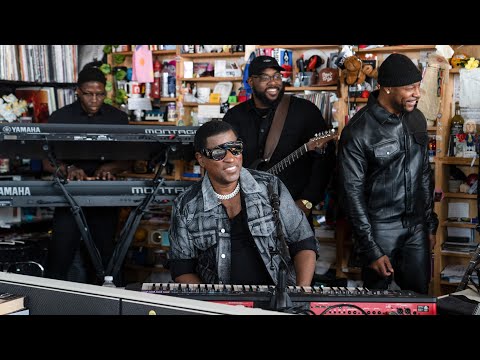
(156, 85)
(456, 127)
(432, 148)
(164, 82)
(108, 281)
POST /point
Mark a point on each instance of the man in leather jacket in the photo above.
(385, 181)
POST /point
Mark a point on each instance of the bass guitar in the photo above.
(316, 142)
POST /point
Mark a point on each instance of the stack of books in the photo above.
(11, 303)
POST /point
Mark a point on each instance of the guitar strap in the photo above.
(276, 127)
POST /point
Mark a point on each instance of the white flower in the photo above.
(11, 108)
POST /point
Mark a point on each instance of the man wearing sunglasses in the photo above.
(306, 178)
(222, 228)
(65, 243)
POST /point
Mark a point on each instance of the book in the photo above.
(10, 303)
(24, 311)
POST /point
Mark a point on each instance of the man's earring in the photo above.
(388, 92)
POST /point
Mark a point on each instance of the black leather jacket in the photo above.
(385, 175)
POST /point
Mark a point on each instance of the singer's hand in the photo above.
(302, 207)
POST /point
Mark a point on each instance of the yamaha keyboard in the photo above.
(318, 300)
(43, 193)
(91, 141)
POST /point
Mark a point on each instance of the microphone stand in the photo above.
(280, 300)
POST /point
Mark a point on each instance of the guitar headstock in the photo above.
(321, 139)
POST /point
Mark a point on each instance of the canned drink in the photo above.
(171, 112)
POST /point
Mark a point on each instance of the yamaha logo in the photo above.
(21, 129)
(15, 191)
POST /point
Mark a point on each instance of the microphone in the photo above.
(274, 198)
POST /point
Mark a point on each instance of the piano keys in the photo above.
(317, 300)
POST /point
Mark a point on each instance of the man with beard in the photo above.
(386, 183)
(308, 177)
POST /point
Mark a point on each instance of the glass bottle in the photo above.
(108, 281)
(456, 127)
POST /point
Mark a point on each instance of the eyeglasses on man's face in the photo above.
(90, 96)
(264, 78)
(219, 152)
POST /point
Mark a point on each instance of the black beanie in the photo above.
(91, 73)
(398, 70)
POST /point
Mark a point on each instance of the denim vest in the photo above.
(200, 227)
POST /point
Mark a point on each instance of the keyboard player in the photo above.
(67, 257)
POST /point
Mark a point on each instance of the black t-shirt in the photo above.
(247, 266)
(74, 114)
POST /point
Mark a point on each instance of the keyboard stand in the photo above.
(80, 221)
(133, 220)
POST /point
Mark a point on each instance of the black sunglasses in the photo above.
(219, 152)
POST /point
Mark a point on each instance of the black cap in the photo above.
(398, 70)
(91, 73)
(261, 63)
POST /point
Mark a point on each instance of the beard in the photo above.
(262, 97)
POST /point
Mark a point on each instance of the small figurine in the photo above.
(470, 129)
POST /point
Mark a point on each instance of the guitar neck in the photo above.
(289, 160)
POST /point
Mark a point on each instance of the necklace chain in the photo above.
(228, 196)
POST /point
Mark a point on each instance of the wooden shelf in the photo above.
(357, 100)
(461, 196)
(213, 79)
(459, 224)
(154, 52)
(455, 254)
(397, 48)
(213, 55)
(431, 128)
(41, 84)
(313, 88)
(168, 99)
(444, 282)
(450, 160)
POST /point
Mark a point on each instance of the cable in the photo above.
(340, 305)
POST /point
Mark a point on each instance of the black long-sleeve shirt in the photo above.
(307, 178)
(74, 114)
